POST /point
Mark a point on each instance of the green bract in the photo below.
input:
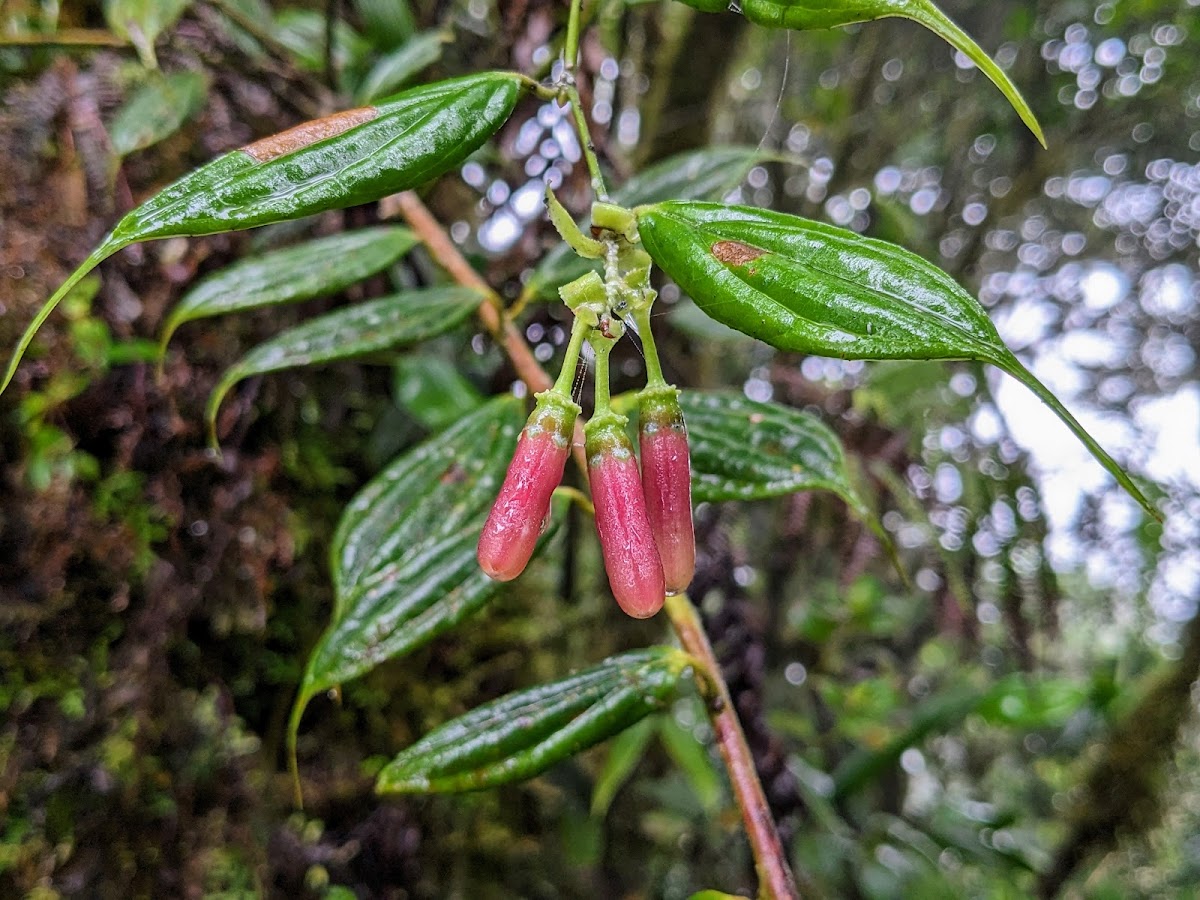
(813, 288)
(523, 734)
(707, 174)
(349, 158)
(805, 15)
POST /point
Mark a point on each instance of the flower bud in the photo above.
(630, 556)
(522, 509)
(667, 482)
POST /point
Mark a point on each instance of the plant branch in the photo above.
(599, 188)
(571, 93)
(774, 874)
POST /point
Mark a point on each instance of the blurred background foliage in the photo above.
(1020, 722)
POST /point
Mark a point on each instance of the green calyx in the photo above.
(553, 414)
(605, 435)
(617, 219)
(601, 304)
(587, 297)
(659, 405)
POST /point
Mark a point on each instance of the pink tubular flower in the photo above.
(522, 509)
(631, 558)
(667, 481)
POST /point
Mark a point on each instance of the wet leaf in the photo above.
(312, 269)
(392, 71)
(804, 286)
(352, 331)
(707, 174)
(387, 517)
(351, 157)
(157, 110)
(525, 733)
(804, 15)
(403, 556)
(744, 450)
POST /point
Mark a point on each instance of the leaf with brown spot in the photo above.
(301, 136)
(334, 163)
(735, 253)
(818, 289)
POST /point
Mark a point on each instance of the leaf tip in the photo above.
(107, 248)
(1014, 367)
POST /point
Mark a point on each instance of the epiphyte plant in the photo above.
(426, 543)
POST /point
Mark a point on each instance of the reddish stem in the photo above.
(775, 876)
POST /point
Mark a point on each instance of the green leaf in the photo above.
(745, 450)
(804, 15)
(525, 733)
(141, 22)
(346, 159)
(312, 269)
(245, 20)
(352, 331)
(1015, 701)
(433, 390)
(804, 286)
(303, 31)
(625, 752)
(938, 714)
(352, 157)
(1034, 703)
(157, 110)
(707, 174)
(397, 67)
(387, 23)
(694, 762)
(403, 555)
(449, 480)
